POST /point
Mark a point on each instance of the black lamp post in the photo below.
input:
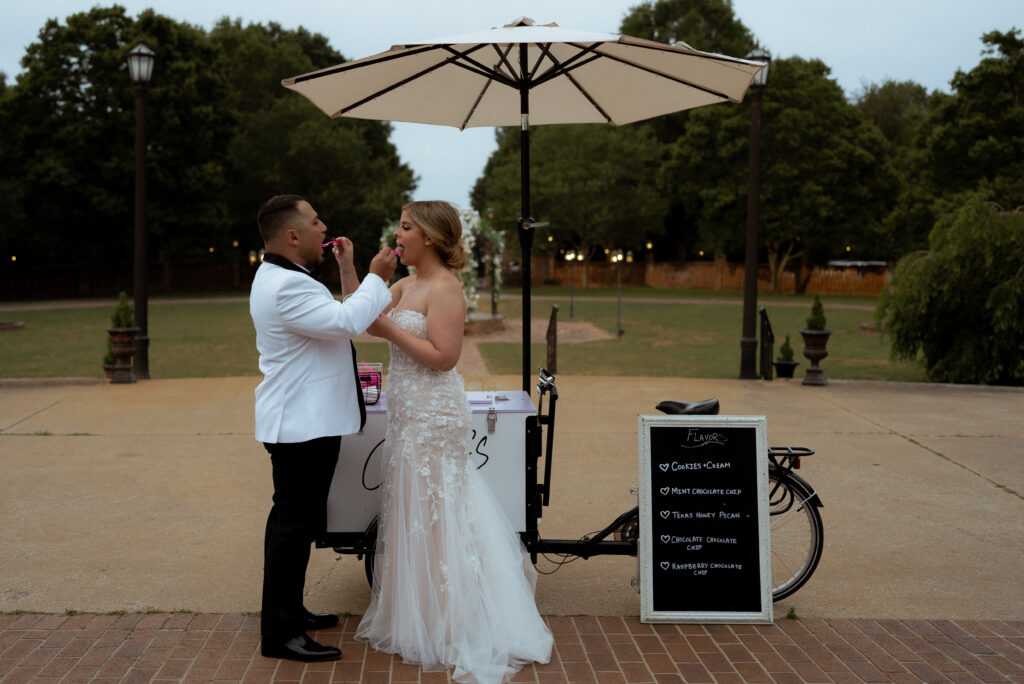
(570, 256)
(617, 257)
(140, 69)
(748, 342)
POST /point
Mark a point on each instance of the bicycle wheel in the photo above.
(797, 534)
(370, 551)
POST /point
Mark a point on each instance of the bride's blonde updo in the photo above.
(440, 223)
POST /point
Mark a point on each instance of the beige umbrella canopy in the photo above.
(476, 79)
(521, 74)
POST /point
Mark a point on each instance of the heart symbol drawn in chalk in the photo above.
(664, 467)
(665, 514)
(664, 491)
(665, 538)
(664, 565)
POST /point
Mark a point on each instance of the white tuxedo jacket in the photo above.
(303, 337)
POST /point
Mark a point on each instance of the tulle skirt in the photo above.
(453, 587)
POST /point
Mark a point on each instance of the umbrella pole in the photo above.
(525, 227)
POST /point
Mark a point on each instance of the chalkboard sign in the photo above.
(704, 548)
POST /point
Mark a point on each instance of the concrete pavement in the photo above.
(133, 521)
(153, 496)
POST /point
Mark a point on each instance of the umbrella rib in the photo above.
(503, 56)
(580, 88)
(649, 70)
(592, 49)
(545, 49)
(348, 66)
(565, 67)
(476, 103)
(393, 86)
(476, 67)
(658, 47)
(453, 60)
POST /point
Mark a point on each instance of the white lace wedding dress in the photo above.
(452, 586)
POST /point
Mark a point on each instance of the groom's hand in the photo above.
(384, 264)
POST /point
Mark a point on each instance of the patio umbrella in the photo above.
(522, 74)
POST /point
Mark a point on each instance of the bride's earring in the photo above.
(427, 242)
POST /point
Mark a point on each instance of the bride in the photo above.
(452, 586)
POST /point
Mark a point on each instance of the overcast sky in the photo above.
(866, 41)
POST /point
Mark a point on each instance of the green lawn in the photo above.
(216, 338)
(700, 340)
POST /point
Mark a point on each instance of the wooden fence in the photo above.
(702, 275)
(85, 281)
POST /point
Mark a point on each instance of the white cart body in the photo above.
(498, 448)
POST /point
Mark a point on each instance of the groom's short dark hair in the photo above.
(275, 214)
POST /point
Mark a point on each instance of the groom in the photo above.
(308, 399)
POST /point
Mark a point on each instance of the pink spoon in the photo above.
(334, 242)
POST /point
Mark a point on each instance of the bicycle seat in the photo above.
(708, 407)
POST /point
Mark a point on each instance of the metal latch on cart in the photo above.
(492, 420)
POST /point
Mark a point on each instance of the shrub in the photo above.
(123, 316)
(958, 307)
(786, 351)
(816, 321)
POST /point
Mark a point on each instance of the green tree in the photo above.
(971, 140)
(347, 168)
(187, 135)
(897, 108)
(592, 183)
(69, 124)
(959, 306)
(222, 134)
(827, 177)
(708, 25)
(976, 138)
(60, 159)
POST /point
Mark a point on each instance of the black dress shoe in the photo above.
(315, 621)
(301, 648)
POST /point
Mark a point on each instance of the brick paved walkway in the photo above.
(224, 647)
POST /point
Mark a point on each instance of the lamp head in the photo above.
(761, 77)
(140, 64)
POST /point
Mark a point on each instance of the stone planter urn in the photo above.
(815, 342)
(122, 345)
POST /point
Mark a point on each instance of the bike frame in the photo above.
(538, 494)
(782, 460)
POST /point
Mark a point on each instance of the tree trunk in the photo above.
(803, 275)
(774, 272)
(777, 265)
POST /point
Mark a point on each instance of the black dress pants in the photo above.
(302, 481)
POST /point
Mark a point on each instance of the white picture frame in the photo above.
(705, 444)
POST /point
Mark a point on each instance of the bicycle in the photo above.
(797, 532)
